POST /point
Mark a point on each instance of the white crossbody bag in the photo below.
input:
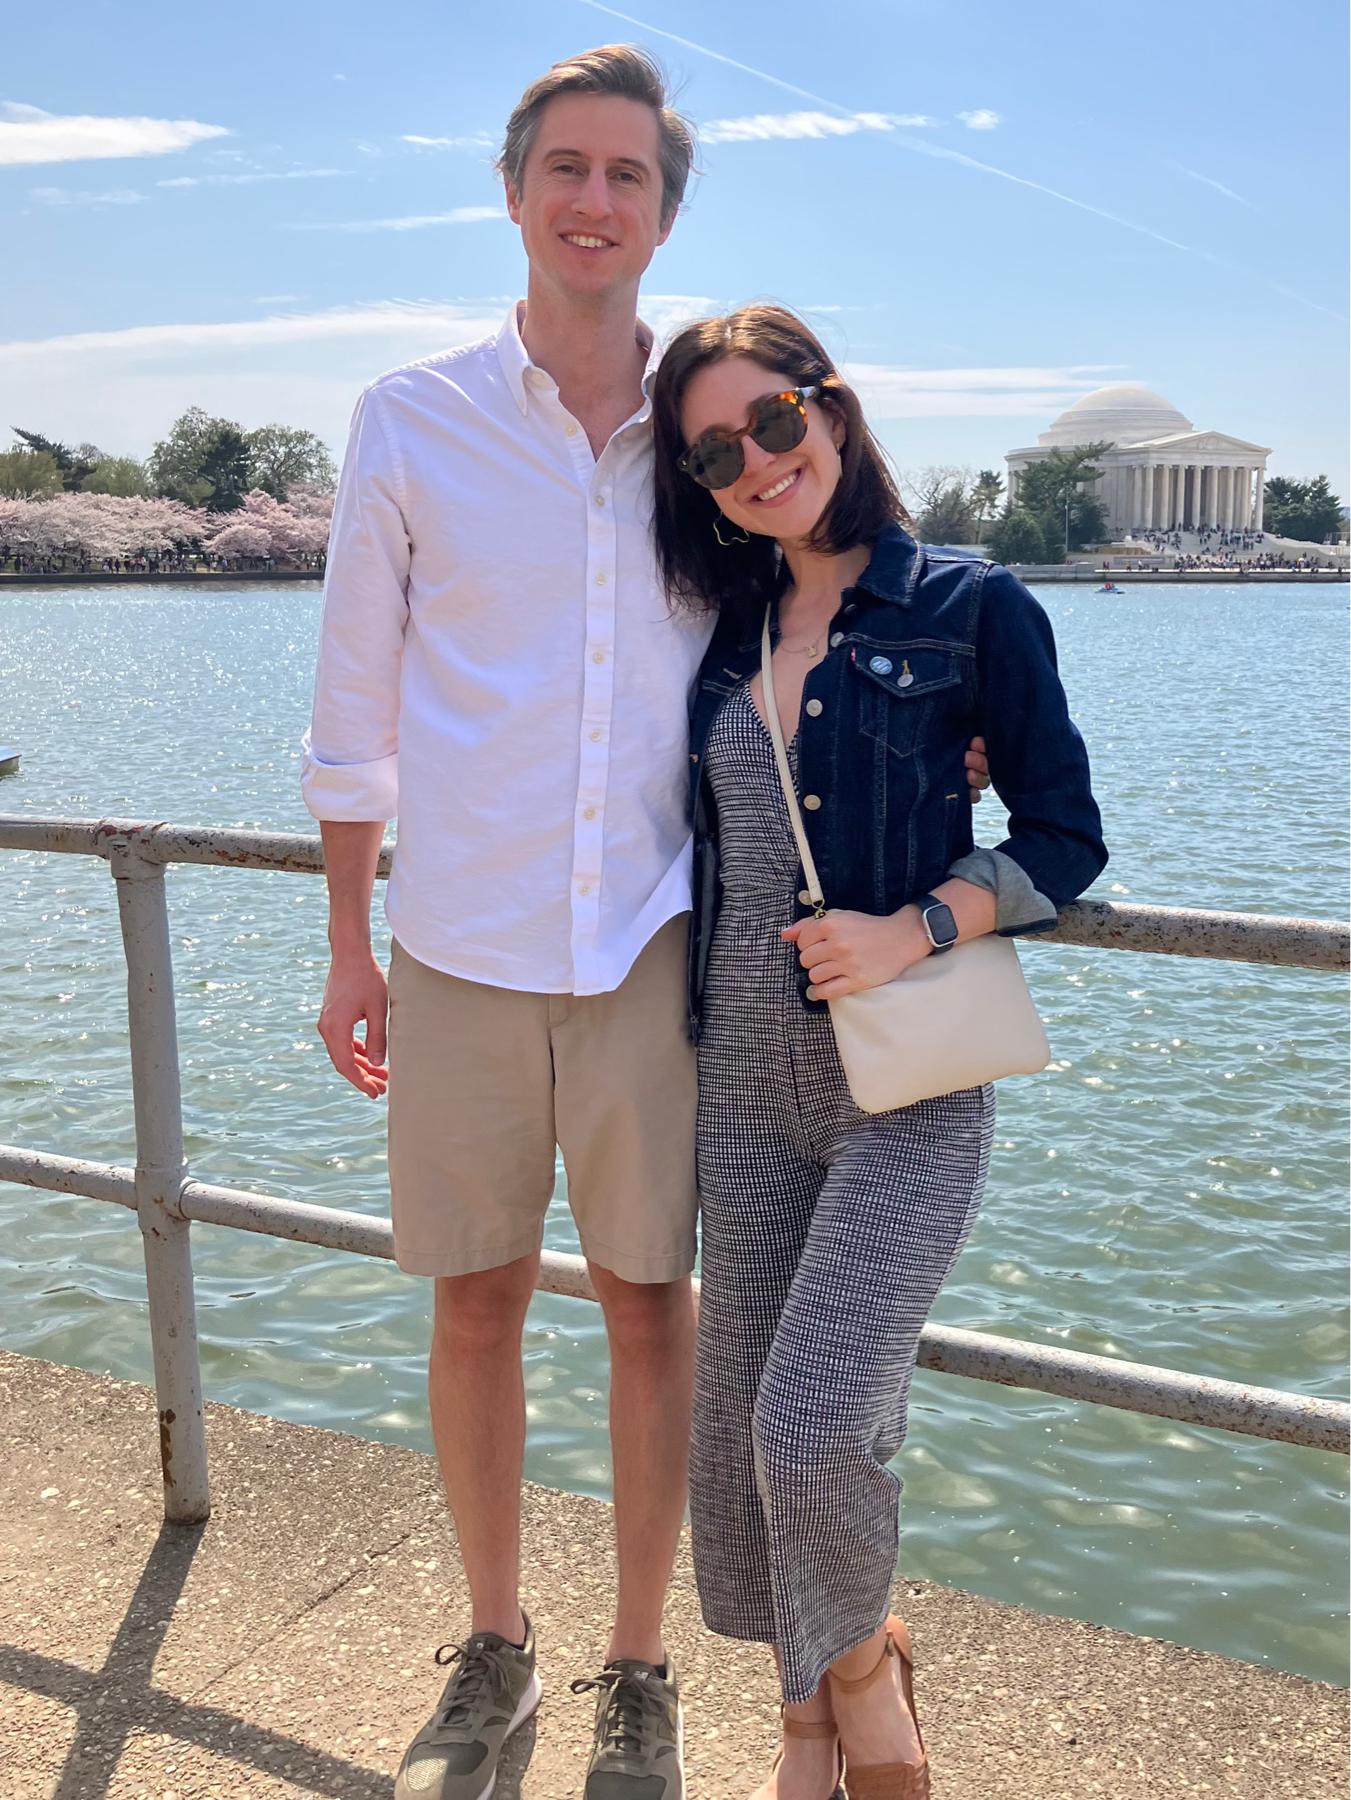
(952, 1021)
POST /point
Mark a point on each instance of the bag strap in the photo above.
(804, 849)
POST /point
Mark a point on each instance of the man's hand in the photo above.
(356, 990)
(848, 951)
(977, 769)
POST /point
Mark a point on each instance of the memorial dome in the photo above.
(1124, 414)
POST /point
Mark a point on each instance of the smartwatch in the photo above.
(939, 925)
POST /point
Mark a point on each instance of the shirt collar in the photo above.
(515, 362)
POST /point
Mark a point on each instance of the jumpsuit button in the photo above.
(814, 709)
(805, 896)
(812, 802)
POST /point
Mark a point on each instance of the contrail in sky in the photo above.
(922, 148)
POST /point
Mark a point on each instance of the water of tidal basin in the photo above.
(1171, 1191)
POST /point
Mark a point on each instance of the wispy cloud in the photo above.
(418, 327)
(889, 392)
(30, 135)
(277, 299)
(980, 119)
(439, 320)
(458, 215)
(58, 196)
(478, 140)
(762, 127)
(1210, 182)
(124, 388)
(195, 181)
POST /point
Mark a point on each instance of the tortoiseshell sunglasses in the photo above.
(778, 422)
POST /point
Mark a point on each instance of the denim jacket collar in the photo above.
(895, 568)
(893, 573)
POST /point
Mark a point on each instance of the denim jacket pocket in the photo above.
(897, 684)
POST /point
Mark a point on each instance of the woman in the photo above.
(827, 1232)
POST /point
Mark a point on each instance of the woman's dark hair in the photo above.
(698, 571)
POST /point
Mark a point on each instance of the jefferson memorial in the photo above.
(1161, 474)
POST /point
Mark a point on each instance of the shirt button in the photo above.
(837, 638)
(596, 736)
(583, 887)
(600, 580)
(600, 499)
(598, 656)
(572, 431)
(812, 802)
(814, 709)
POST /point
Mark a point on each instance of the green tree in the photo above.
(121, 475)
(282, 456)
(985, 496)
(1306, 510)
(71, 464)
(204, 461)
(940, 501)
(948, 519)
(1053, 488)
(1016, 537)
(29, 475)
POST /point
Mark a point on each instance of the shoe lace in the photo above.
(483, 1675)
(634, 1703)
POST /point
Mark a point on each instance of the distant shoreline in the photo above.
(1070, 572)
(155, 578)
(1085, 576)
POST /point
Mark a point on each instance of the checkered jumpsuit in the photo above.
(827, 1233)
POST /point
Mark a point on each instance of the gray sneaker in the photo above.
(494, 1690)
(639, 1747)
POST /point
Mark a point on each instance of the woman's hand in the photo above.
(848, 951)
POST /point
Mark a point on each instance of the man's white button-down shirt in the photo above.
(499, 668)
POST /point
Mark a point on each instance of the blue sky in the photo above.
(987, 209)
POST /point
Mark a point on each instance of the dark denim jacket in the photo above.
(929, 649)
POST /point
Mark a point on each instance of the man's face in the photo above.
(589, 204)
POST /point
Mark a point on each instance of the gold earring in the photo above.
(727, 543)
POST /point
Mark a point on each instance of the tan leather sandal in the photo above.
(812, 1728)
(889, 1781)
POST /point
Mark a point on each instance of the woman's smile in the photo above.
(779, 490)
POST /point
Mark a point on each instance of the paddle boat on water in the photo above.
(1110, 587)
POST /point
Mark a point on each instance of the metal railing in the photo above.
(166, 1200)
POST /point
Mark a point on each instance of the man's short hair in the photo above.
(617, 69)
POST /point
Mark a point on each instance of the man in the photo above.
(499, 666)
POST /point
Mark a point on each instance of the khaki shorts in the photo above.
(484, 1082)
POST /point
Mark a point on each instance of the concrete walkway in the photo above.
(285, 1647)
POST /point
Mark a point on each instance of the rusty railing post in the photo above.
(160, 1172)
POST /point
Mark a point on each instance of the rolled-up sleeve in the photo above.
(1038, 762)
(350, 754)
(1018, 905)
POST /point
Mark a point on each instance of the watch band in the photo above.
(930, 903)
